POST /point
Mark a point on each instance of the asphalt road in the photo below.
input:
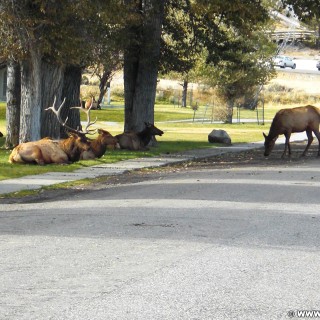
(234, 242)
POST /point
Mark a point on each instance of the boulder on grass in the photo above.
(219, 136)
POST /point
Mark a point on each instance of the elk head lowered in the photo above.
(138, 140)
(287, 121)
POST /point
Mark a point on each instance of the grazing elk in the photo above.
(287, 121)
(138, 140)
(47, 151)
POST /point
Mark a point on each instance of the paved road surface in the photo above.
(234, 243)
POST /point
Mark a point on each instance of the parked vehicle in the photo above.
(318, 65)
(283, 62)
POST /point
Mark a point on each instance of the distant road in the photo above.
(303, 66)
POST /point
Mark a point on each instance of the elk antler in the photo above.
(64, 123)
(87, 111)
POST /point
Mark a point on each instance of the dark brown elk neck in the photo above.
(275, 130)
(98, 147)
(145, 136)
(70, 147)
(73, 146)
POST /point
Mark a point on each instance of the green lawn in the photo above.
(178, 136)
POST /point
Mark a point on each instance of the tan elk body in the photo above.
(288, 121)
(47, 151)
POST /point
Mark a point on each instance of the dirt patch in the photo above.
(254, 158)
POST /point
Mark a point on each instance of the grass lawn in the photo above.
(178, 136)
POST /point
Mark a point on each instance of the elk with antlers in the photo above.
(104, 141)
(76, 147)
(47, 150)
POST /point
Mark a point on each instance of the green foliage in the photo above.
(64, 32)
(226, 29)
(221, 26)
(307, 11)
(179, 44)
(246, 68)
(227, 42)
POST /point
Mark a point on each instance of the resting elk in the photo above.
(287, 121)
(138, 140)
(47, 151)
(99, 145)
(91, 104)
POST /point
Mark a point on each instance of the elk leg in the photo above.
(310, 139)
(32, 155)
(317, 134)
(287, 145)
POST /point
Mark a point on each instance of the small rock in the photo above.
(219, 136)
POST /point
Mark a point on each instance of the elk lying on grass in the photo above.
(47, 151)
(138, 140)
(287, 121)
(90, 104)
(99, 145)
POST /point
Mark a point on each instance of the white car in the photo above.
(283, 62)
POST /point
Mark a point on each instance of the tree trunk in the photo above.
(13, 104)
(30, 98)
(318, 36)
(184, 93)
(141, 66)
(103, 85)
(52, 80)
(230, 105)
(71, 91)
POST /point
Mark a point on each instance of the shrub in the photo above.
(117, 93)
(87, 91)
(276, 87)
(85, 80)
(165, 96)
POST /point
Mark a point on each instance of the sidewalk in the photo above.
(38, 181)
